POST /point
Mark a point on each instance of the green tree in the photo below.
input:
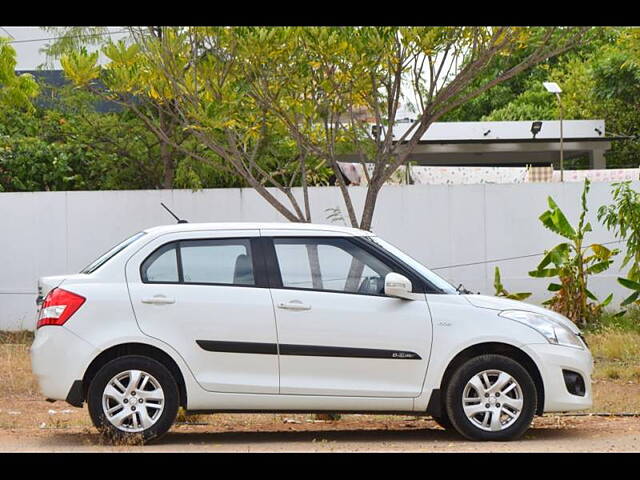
(599, 78)
(15, 90)
(233, 87)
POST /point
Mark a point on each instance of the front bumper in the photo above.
(58, 359)
(551, 361)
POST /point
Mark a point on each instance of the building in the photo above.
(508, 143)
(511, 143)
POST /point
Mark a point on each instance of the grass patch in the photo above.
(615, 344)
(16, 377)
(20, 337)
(628, 322)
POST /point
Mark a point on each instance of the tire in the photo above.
(120, 413)
(443, 421)
(502, 384)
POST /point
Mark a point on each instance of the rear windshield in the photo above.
(96, 264)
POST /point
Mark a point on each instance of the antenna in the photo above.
(173, 214)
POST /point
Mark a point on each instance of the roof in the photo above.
(525, 140)
(190, 227)
(507, 131)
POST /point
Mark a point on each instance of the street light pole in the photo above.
(561, 140)
(553, 87)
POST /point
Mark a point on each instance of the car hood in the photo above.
(501, 303)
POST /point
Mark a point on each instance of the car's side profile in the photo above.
(295, 318)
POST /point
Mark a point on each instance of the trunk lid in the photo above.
(46, 284)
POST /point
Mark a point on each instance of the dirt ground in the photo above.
(299, 433)
(30, 424)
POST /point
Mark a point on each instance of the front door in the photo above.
(338, 333)
(204, 296)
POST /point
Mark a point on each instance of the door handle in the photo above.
(295, 305)
(158, 300)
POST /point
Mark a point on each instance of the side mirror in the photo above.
(396, 285)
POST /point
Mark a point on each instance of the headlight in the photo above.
(552, 331)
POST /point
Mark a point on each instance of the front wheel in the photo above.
(491, 397)
(133, 397)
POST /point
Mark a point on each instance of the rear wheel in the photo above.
(491, 397)
(133, 397)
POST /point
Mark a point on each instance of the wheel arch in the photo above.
(133, 348)
(497, 348)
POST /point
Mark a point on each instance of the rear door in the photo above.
(338, 333)
(204, 293)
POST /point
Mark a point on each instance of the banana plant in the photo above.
(631, 285)
(573, 262)
(502, 292)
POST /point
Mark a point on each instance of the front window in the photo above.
(427, 274)
(331, 264)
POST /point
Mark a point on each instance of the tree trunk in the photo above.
(369, 207)
(168, 165)
(166, 151)
(314, 266)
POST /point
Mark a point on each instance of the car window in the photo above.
(332, 264)
(104, 258)
(161, 265)
(438, 282)
(225, 261)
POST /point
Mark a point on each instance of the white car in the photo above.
(247, 317)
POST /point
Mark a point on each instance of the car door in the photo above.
(338, 333)
(204, 294)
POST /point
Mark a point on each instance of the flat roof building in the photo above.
(510, 143)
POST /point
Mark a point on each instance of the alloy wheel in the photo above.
(492, 400)
(132, 401)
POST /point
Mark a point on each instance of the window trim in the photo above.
(257, 263)
(168, 246)
(407, 270)
(275, 275)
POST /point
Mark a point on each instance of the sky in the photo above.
(27, 41)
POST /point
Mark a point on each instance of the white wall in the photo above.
(48, 233)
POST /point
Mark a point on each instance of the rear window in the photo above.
(201, 262)
(96, 264)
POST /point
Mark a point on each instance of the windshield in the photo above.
(437, 281)
(111, 253)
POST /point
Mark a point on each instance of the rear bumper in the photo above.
(58, 359)
(551, 361)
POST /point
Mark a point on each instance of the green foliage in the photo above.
(70, 146)
(626, 321)
(623, 217)
(502, 292)
(573, 263)
(520, 98)
(69, 39)
(16, 91)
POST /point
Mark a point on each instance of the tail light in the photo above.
(58, 306)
